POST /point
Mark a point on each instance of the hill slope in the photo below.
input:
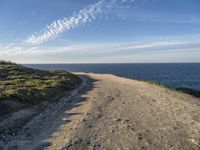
(31, 85)
(21, 87)
(25, 92)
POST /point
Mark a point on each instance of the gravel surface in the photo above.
(113, 113)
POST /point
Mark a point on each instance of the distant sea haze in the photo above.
(174, 75)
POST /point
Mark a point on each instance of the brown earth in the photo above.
(113, 113)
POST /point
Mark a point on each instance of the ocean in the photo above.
(174, 75)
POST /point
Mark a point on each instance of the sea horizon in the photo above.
(173, 75)
(112, 63)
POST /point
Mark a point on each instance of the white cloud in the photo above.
(59, 26)
(102, 51)
(85, 15)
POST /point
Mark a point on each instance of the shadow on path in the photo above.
(46, 128)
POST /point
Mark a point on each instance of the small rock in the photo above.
(79, 140)
(117, 119)
(87, 114)
(140, 136)
(126, 121)
(98, 115)
(89, 126)
(149, 141)
(109, 97)
(84, 120)
(95, 146)
(132, 128)
(88, 142)
(175, 128)
(112, 131)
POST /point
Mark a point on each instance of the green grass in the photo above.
(31, 85)
(155, 83)
(189, 91)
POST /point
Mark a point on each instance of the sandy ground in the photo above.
(113, 113)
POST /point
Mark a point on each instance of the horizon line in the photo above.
(110, 63)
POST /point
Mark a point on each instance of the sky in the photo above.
(100, 31)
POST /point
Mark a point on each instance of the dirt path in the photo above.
(113, 113)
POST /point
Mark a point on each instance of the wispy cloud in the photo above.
(58, 26)
(108, 48)
(85, 15)
(151, 49)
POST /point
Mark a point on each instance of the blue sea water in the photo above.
(173, 75)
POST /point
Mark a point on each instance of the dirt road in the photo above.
(113, 113)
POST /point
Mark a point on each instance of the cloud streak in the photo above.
(140, 46)
(152, 49)
(85, 15)
(59, 26)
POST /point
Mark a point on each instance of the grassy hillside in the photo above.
(31, 85)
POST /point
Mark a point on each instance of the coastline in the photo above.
(189, 91)
(115, 112)
(173, 75)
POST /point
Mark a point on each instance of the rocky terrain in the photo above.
(25, 92)
(111, 113)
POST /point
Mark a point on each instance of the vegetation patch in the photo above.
(189, 91)
(195, 93)
(31, 85)
(155, 83)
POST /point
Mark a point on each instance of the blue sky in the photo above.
(100, 31)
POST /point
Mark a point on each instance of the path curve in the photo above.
(112, 113)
